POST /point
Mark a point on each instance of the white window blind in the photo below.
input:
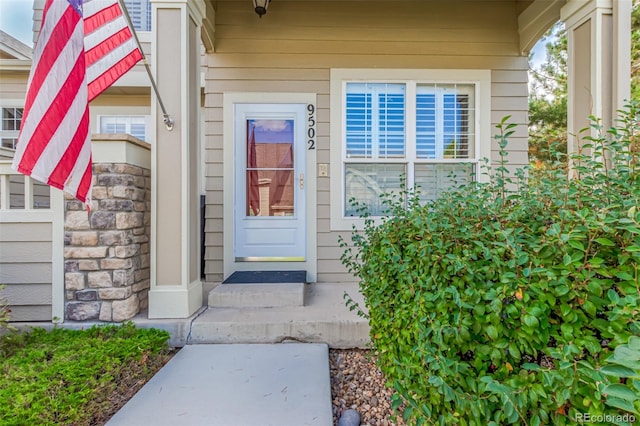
(135, 125)
(379, 149)
(444, 121)
(140, 13)
(375, 116)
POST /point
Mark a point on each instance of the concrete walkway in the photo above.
(236, 385)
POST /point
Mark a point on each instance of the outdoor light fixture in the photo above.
(260, 6)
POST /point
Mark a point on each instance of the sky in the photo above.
(16, 19)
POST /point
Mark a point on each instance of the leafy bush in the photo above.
(499, 302)
(624, 363)
(75, 376)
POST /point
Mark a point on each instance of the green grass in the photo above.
(75, 377)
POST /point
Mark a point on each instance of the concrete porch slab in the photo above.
(236, 385)
(323, 319)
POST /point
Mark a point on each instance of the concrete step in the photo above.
(323, 319)
(257, 295)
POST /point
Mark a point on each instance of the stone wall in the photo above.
(107, 275)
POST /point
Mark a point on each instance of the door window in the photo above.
(270, 172)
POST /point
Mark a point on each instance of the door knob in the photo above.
(301, 180)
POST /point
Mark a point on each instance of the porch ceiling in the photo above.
(535, 17)
(535, 20)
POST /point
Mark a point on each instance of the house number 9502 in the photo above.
(311, 126)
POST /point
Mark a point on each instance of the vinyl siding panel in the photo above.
(294, 47)
(25, 270)
(13, 88)
(31, 313)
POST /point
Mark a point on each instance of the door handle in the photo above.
(301, 180)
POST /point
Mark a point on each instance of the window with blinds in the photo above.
(375, 120)
(135, 125)
(444, 121)
(435, 153)
(140, 14)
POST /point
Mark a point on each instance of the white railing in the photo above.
(18, 192)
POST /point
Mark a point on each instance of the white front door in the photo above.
(269, 186)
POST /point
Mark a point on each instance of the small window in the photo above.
(416, 126)
(11, 123)
(376, 117)
(375, 120)
(140, 14)
(135, 125)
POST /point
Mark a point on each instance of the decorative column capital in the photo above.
(575, 11)
(197, 8)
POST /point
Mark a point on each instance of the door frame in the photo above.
(230, 265)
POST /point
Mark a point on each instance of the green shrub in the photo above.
(74, 376)
(625, 364)
(499, 302)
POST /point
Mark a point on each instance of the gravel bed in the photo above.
(356, 383)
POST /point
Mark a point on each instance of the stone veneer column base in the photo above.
(175, 301)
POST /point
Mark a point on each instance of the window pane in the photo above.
(445, 121)
(41, 195)
(367, 182)
(11, 118)
(140, 13)
(433, 179)
(426, 125)
(135, 125)
(16, 192)
(269, 171)
(375, 120)
(9, 143)
(391, 125)
(359, 125)
(138, 131)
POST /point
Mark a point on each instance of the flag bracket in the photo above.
(168, 122)
(166, 118)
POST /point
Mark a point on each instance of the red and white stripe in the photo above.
(74, 60)
(54, 144)
(111, 50)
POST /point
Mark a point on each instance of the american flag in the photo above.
(82, 49)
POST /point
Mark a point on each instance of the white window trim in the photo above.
(339, 78)
(10, 103)
(147, 123)
(98, 112)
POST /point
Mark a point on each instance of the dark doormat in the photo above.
(255, 277)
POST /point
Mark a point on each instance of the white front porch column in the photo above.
(599, 63)
(176, 288)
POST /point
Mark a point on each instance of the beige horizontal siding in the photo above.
(21, 252)
(363, 60)
(25, 269)
(13, 88)
(25, 232)
(31, 313)
(25, 295)
(26, 273)
(294, 47)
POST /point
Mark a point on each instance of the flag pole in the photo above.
(168, 121)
